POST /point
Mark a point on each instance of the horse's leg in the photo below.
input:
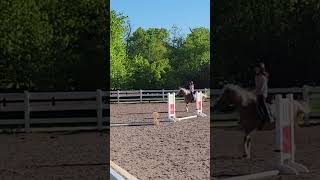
(187, 109)
(247, 146)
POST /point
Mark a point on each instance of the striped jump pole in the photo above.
(172, 107)
(199, 104)
(286, 136)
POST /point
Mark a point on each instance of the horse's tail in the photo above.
(205, 96)
(303, 107)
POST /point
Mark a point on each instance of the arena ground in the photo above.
(39, 156)
(177, 151)
(227, 151)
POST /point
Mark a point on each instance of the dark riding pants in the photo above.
(262, 106)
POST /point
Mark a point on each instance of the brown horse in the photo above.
(245, 103)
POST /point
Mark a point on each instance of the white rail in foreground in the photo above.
(115, 176)
(255, 176)
(117, 172)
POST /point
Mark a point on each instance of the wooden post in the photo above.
(163, 95)
(306, 98)
(26, 111)
(118, 96)
(140, 95)
(99, 109)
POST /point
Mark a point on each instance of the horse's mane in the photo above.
(245, 95)
(184, 89)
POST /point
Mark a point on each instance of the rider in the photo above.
(191, 87)
(261, 82)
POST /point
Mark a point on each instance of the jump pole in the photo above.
(117, 173)
(199, 104)
(255, 176)
(172, 107)
(285, 142)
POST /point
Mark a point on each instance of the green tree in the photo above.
(149, 47)
(118, 56)
(25, 38)
(191, 61)
(44, 44)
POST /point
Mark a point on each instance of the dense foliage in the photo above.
(52, 45)
(157, 58)
(283, 34)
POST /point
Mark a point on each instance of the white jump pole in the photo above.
(199, 104)
(171, 107)
(255, 176)
(285, 134)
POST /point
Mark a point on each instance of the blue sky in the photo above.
(165, 13)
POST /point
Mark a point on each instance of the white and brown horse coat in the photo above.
(246, 104)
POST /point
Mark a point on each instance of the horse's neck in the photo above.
(239, 105)
(186, 92)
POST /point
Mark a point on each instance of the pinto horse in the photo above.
(245, 103)
(188, 96)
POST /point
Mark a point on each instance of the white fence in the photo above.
(140, 96)
(20, 110)
(54, 111)
(311, 95)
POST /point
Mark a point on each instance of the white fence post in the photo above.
(140, 95)
(206, 92)
(163, 95)
(118, 96)
(306, 98)
(278, 117)
(99, 109)
(26, 111)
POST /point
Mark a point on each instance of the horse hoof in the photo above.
(246, 156)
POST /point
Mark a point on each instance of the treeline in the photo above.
(52, 45)
(157, 58)
(283, 34)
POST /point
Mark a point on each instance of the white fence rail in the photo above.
(18, 109)
(140, 96)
